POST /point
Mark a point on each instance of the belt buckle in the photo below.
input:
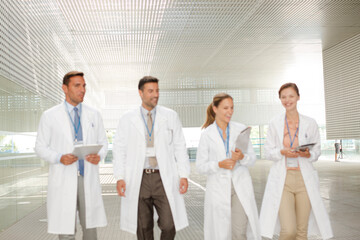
(148, 171)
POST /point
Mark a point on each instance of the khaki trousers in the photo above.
(152, 194)
(239, 218)
(295, 208)
(90, 233)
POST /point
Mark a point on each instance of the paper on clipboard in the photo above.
(81, 151)
(242, 141)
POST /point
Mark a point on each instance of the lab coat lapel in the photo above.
(303, 126)
(85, 124)
(160, 120)
(280, 128)
(216, 138)
(234, 133)
(138, 123)
(64, 118)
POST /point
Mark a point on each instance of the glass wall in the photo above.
(349, 149)
(36, 50)
(23, 176)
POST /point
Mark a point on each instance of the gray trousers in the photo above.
(88, 234)
(239, 219)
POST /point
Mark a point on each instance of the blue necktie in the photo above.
(79, 137)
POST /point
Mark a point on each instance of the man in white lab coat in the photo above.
(151, 166)
(74, 183)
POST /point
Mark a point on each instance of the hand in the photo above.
(68, 159)
(287, 152)
(227, 164)
(183, 185)
(93, 158)
(237, 155)
(305, 154)
(121, 188)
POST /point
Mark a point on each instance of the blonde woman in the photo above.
(230, 208)
(292, 201)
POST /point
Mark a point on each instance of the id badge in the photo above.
(150, 152)
(292, 163)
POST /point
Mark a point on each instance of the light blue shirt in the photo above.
(70, 110)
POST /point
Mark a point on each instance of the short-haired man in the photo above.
(73, 183)
(151, 166)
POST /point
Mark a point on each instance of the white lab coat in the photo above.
(319, 222)
(55, 137)
(211, 150)
(129, 158)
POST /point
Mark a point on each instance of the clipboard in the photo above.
(81, 151)
(242, 141)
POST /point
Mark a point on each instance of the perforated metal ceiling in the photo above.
(234, 43)
(193, 44)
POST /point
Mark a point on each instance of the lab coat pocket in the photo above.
(91, 133)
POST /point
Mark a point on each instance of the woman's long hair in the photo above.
(210, 114)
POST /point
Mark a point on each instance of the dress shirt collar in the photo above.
(70, 107)
(144, 112)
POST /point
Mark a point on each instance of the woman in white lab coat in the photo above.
(230, 208)
(292, 203)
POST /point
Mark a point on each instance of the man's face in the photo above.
(75, 90)
(149, 95)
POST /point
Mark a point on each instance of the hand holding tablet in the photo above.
(303, 147)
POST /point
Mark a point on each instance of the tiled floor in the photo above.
(339, 183)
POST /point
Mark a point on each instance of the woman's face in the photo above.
(224, 110)
(289, 98)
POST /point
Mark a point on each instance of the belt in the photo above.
(150, 171)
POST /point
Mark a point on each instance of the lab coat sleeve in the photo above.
(203, 163)
(102, 139)
(119, 150)
(272, 150)
(42, 144)
(180, 150)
